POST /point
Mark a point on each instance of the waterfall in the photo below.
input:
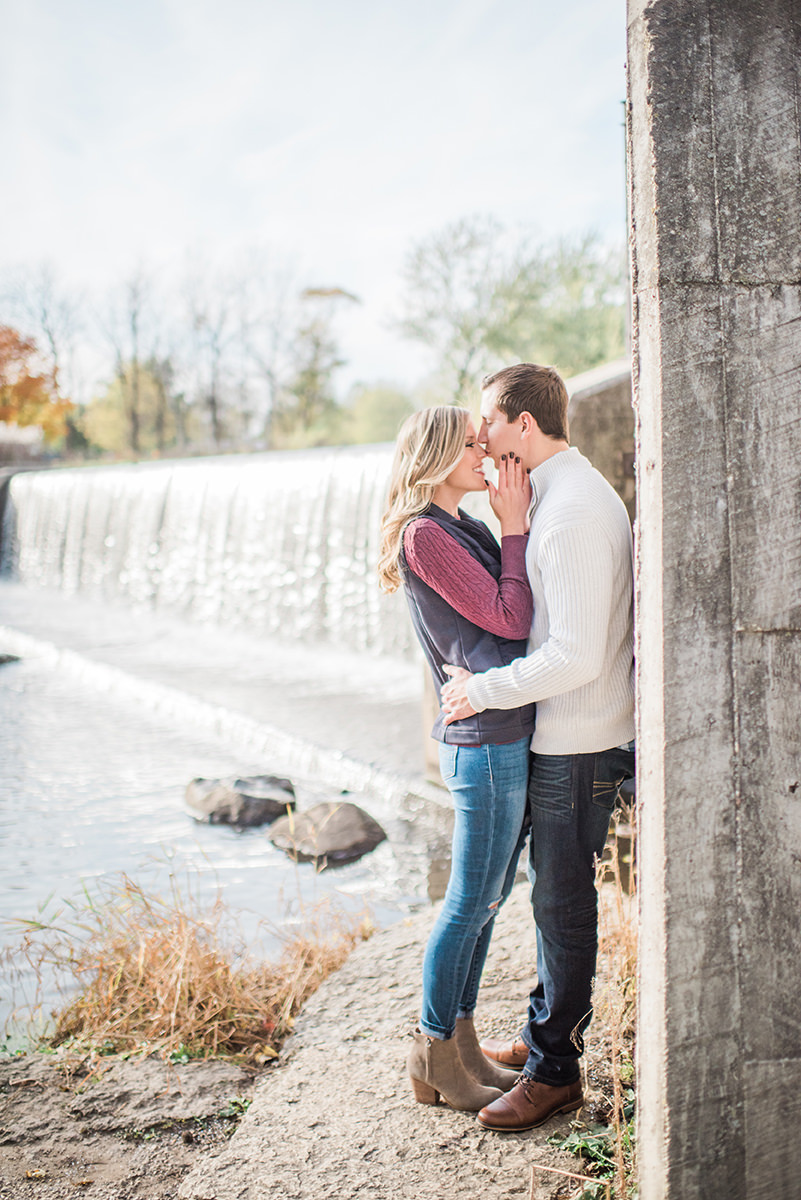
(283, 543)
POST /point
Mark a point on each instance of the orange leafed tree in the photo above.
(28, 396)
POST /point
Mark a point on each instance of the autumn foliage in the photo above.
(28, 396)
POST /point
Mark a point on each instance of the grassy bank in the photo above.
(158, 974)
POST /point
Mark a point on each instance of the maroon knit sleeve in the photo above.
(502, 606)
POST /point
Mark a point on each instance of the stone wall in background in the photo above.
(602, 424)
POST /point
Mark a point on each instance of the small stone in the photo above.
(329, 834)
(256, 800)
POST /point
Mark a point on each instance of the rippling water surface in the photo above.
(93, 786)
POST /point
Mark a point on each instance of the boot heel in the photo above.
(424, 1093)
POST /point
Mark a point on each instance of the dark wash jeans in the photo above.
(571, 798)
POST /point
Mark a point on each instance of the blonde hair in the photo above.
(429, 446)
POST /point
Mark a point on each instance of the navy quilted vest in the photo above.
(448, 637)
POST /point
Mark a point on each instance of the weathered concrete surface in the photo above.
(715, 177)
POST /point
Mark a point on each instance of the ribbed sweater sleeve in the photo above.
(577, 566)
(502, 606)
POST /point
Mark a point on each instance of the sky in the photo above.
(334, 135)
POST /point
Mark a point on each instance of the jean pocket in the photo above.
(447, 761)
(550, 785)
(605, 792)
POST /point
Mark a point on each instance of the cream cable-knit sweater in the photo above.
(579, 667)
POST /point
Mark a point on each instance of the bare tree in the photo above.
(307, 412)
(136, 325)
(271, 316)
(122, 321)
(214, 302)
(38, 302)
(261, 349)
(463, 285)
(161, 372)
(477, 295)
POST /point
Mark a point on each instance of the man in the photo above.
(579, 670)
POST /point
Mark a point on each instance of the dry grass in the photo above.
(603, 1138)
(154, 975)
(616, 1002)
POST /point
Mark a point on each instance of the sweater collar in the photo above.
(556, 467)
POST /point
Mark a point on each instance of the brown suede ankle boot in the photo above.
(436, 1069)
(480, 1067)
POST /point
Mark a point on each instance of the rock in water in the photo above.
(328, 834)
(257, 800)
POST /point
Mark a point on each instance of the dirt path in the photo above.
(340, 1121)
(335, 1120)
(134, 1132)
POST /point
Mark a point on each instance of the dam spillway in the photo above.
(281, 543)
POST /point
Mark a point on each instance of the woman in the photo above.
(471, 607)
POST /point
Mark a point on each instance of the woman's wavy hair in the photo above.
(430, 444)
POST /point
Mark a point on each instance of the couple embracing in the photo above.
(531, 648)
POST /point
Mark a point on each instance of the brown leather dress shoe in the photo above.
(529, 1104)
(510, 1054)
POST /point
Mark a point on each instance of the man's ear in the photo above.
(528, 424)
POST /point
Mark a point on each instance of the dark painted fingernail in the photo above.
(528, 470)
(503, 458)
(517, 459)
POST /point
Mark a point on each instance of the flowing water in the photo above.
(274, 544)
(278, 542)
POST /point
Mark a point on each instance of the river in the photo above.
(93, 787)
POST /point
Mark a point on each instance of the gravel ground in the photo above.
(131, 1129)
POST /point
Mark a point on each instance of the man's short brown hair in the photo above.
(527, 387)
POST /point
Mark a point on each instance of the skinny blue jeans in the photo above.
(488, 785)
(571, 798)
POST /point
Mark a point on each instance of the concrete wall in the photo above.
(715, 179)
